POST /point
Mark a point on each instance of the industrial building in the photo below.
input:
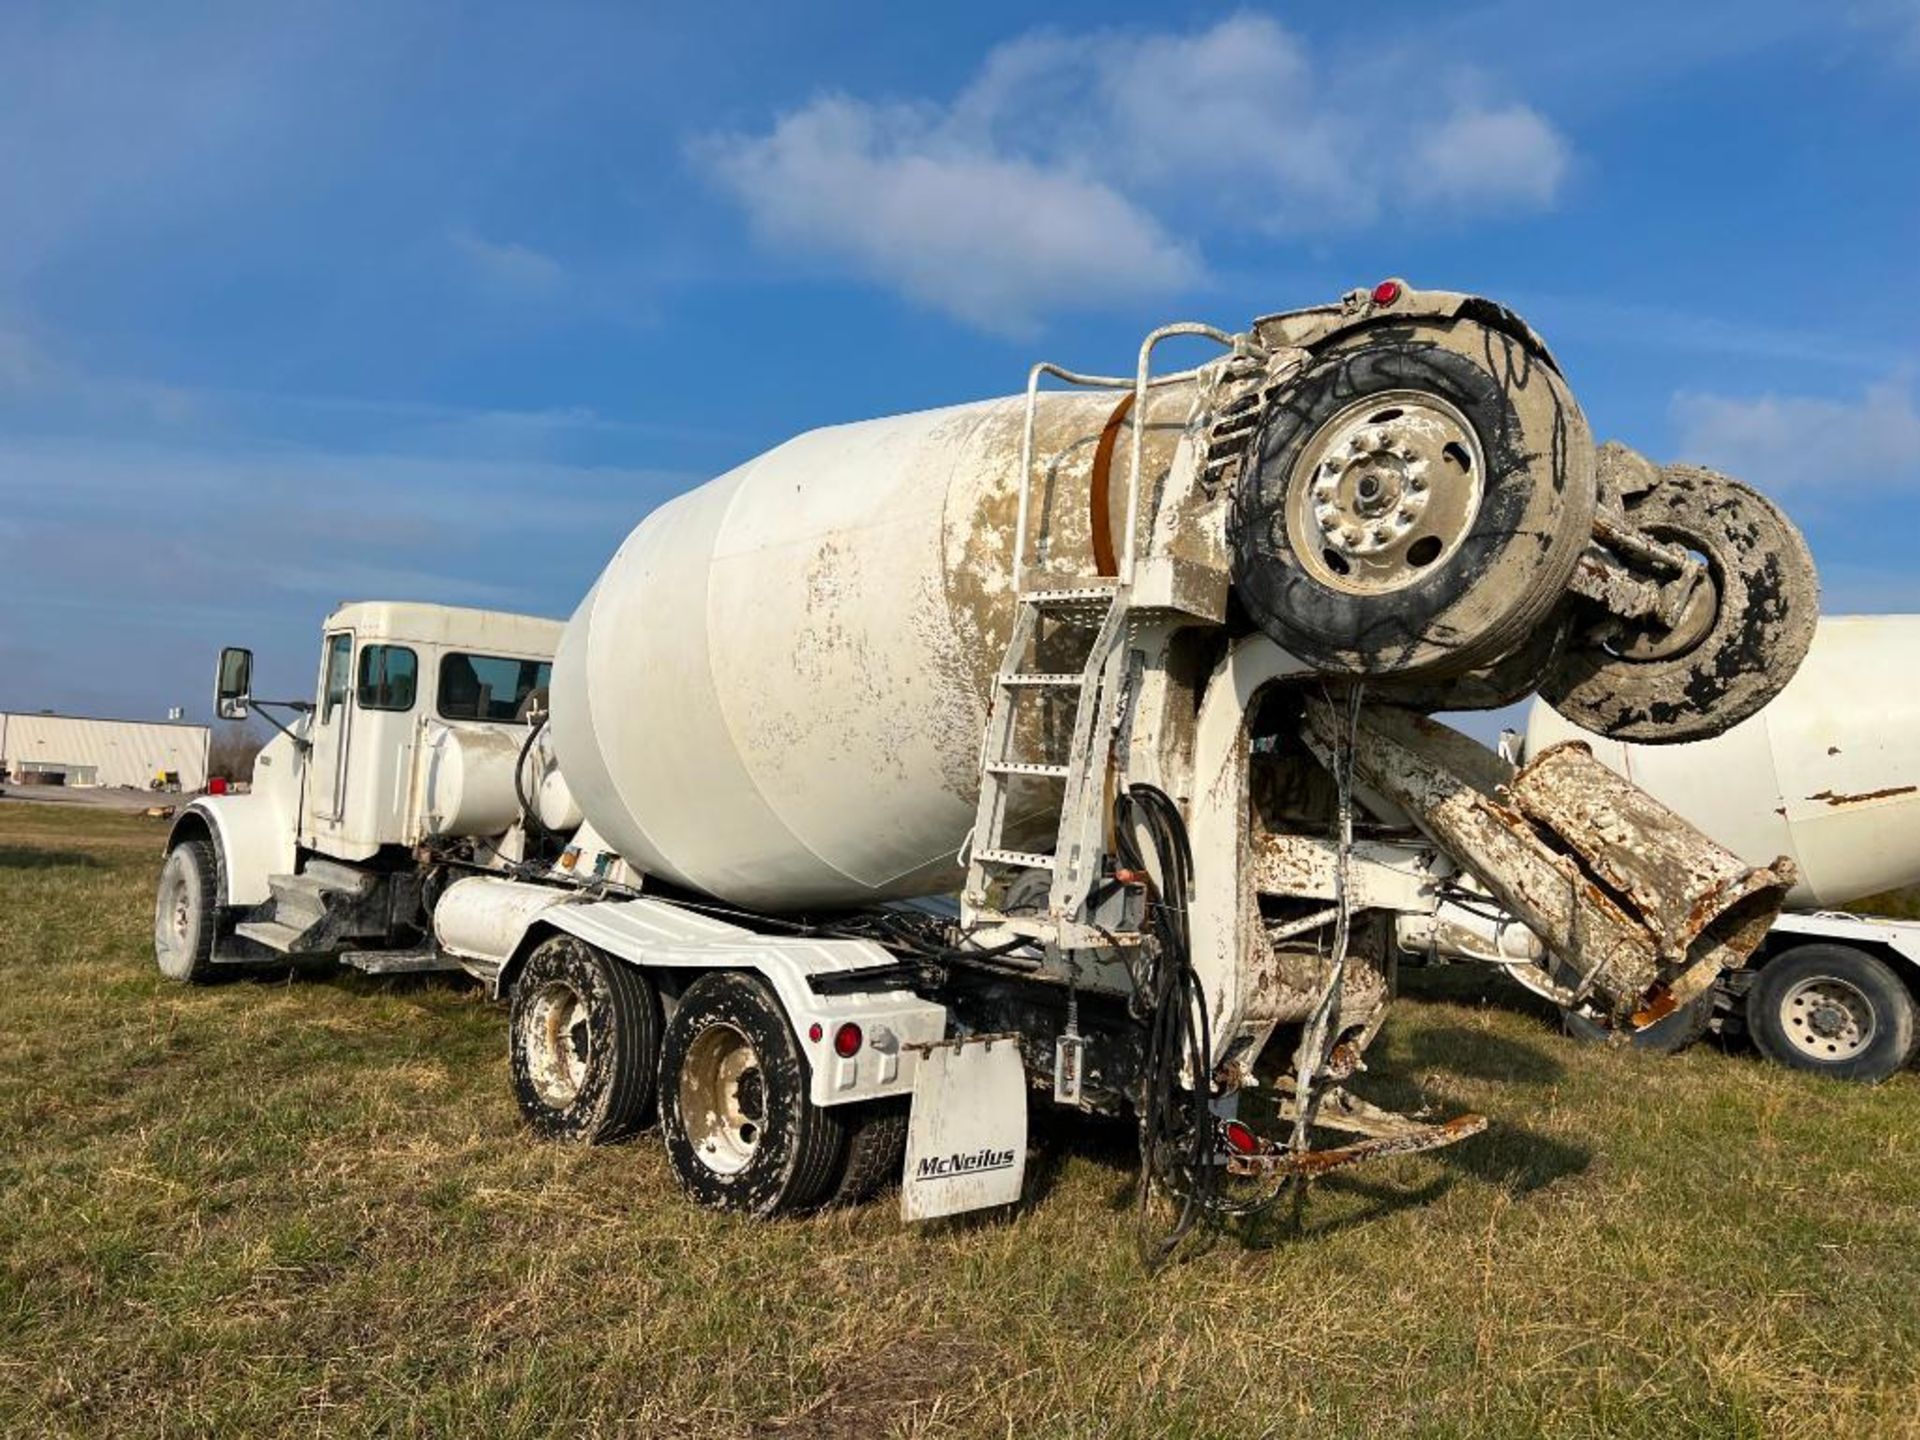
(47, 749)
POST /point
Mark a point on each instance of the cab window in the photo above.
(488, 687)
(387, 677)
(339, 674)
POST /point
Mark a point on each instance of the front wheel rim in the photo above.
(173, 916)
(1385, 493)
(1828, 1019)
(723, 1099)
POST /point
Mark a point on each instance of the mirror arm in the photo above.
(299, 707)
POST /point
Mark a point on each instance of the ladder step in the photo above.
(1078, 598)
(272, 934)
(398, 962)
(1064, 681)
(1027, 767)
(1029, 859)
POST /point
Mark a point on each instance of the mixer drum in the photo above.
(776, 691)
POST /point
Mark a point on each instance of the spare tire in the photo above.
(1415, 503)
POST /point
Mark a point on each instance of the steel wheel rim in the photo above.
(723, 1099)
(1385, 492)
(558, 1042)
(1827, 1018)
(173, 914)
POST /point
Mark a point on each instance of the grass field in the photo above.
(307, 1208)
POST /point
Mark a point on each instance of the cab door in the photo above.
(332, 724)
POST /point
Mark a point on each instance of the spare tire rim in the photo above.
(1385, 492)
(1827, 1019)
(722, 1099)
(557, 1040)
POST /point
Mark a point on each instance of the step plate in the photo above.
(399, 962)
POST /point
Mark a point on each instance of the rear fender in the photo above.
(497, 923)
(1315, 328)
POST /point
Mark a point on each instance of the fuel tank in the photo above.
(1828, 773)
(776, 691)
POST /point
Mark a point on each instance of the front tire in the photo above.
(741, 1132)
(584, 1043)
(1416, 502)
(1833, 1010)
(186, 909)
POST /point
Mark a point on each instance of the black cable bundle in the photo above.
(1176, 1122)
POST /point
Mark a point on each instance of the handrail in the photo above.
(1139, 384)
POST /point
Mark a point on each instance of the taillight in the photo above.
(1239, 1138)
(846, 1041)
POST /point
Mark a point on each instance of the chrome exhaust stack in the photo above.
(1638, 910)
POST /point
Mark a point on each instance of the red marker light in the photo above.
(1239, 1138)
(1386, 292)
(814, 1032)
(846, 1040)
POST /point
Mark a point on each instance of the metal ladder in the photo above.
(1072, 865)
(1101, 604)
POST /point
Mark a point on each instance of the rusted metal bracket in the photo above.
(1276, 1161)
(1635, 577)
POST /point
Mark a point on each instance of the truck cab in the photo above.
(410, 742)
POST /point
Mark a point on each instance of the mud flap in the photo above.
(967, 1139)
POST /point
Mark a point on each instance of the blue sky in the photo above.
(307, 303)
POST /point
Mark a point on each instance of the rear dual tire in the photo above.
(741, 1131)
(584, 1043)
(592, 1063)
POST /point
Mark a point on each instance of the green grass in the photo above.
(307, 1207)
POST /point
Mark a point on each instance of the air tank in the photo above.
(1827, 774)
(776, 691)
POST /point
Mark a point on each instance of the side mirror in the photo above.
(233, 684)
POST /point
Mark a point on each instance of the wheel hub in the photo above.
(723, 1099)
(558, 1043)
(1827, 1019)
(1385, 492)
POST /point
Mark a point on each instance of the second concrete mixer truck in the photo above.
(1063, 749)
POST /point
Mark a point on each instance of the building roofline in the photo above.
(104, 719)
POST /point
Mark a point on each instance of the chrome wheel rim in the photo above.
(1385, 492)
(1827, 1019)
(723, 1099)
(558, 1042)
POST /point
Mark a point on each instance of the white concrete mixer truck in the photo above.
(1063, 749)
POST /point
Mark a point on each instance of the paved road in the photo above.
(107, 797)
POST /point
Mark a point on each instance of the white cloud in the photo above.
(1798, 441)
(1507, 156)
(507, 266)
(989, 238)
(1895, 23)
(1077, 169)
